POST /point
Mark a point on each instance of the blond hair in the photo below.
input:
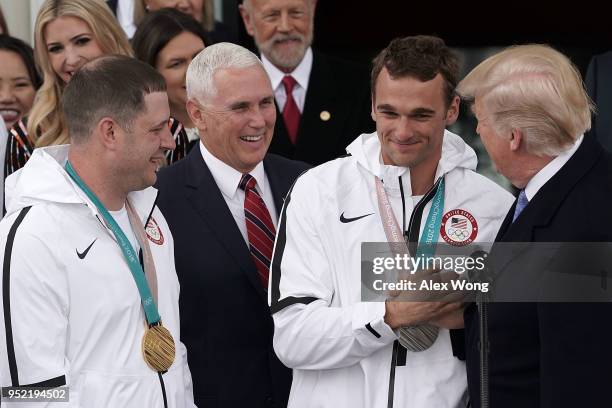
(536, 89)
(46, 123)
(207, 19)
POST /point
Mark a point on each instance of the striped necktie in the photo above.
(260, 229)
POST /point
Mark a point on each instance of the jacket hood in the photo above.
(43, 180)
(455, 154)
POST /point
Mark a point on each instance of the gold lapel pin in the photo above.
(325, 116)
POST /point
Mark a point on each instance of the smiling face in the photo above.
(16, 89)
(237, 123)
(70, 44)
(143, 147)
(172, 62)
(410, 119)
(282, 29)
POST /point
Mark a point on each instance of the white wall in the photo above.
(20, 17)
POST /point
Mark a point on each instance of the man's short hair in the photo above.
(422, 57)
(110, 86)
(533, 88)
(201, 71)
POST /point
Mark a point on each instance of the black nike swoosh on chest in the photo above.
(83, 254)
(346, 220)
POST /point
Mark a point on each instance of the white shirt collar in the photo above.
(535, 184)
(301, 73)
(125, 16)
(228, 178)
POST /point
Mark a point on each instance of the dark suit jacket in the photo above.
(599, 86)
(552, 354)
(225, 320)
(342, 89)
(112, 4)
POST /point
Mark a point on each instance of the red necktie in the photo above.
(291, 113)
(260, 229)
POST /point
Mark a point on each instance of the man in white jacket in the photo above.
(344, 351)
(89, 289)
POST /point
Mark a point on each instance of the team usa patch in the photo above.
(458, 228)
(154, 232)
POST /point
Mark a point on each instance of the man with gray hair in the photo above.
(532, 112)
(222, 204)
(324, 101)
(79, 309)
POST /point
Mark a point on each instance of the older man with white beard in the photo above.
(324, 101)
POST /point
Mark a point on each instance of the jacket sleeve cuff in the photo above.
(369, 323)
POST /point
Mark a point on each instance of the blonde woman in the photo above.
(68, 33)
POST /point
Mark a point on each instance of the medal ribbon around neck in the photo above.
(158, 346)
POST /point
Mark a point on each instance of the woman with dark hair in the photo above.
(67, 34)
(19, 79)
(168, 40)
(203, 11)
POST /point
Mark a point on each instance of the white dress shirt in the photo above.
(301, 74)
(228, 178)
(125, 16)
(535, 184)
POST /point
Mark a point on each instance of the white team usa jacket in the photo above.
(71, 310)
(340, 348)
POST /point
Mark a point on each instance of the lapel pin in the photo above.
(325, 116)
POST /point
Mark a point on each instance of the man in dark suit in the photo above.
(323, 102)
(599, 86)
(532, 112)
(222, 203)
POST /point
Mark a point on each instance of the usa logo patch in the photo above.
(458, 228)
(154, 232)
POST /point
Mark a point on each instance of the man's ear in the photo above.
(516, 139)
(108, 133)
(246, 19)
(453, 111)
(195, 114)
(373, 111)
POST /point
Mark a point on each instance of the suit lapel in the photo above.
(321, 95)
(278, 184)
(544, 204)
(208, 202)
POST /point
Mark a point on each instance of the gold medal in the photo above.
(158, 348)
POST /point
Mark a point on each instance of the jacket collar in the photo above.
(551, 195)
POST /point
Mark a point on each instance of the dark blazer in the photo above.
(225, 320)
(112, 4)
(339, 88)
(599, 86)
(552, 354)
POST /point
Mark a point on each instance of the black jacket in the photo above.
(225, 319)
(339, 88)
(552, 354)
(599, 85)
